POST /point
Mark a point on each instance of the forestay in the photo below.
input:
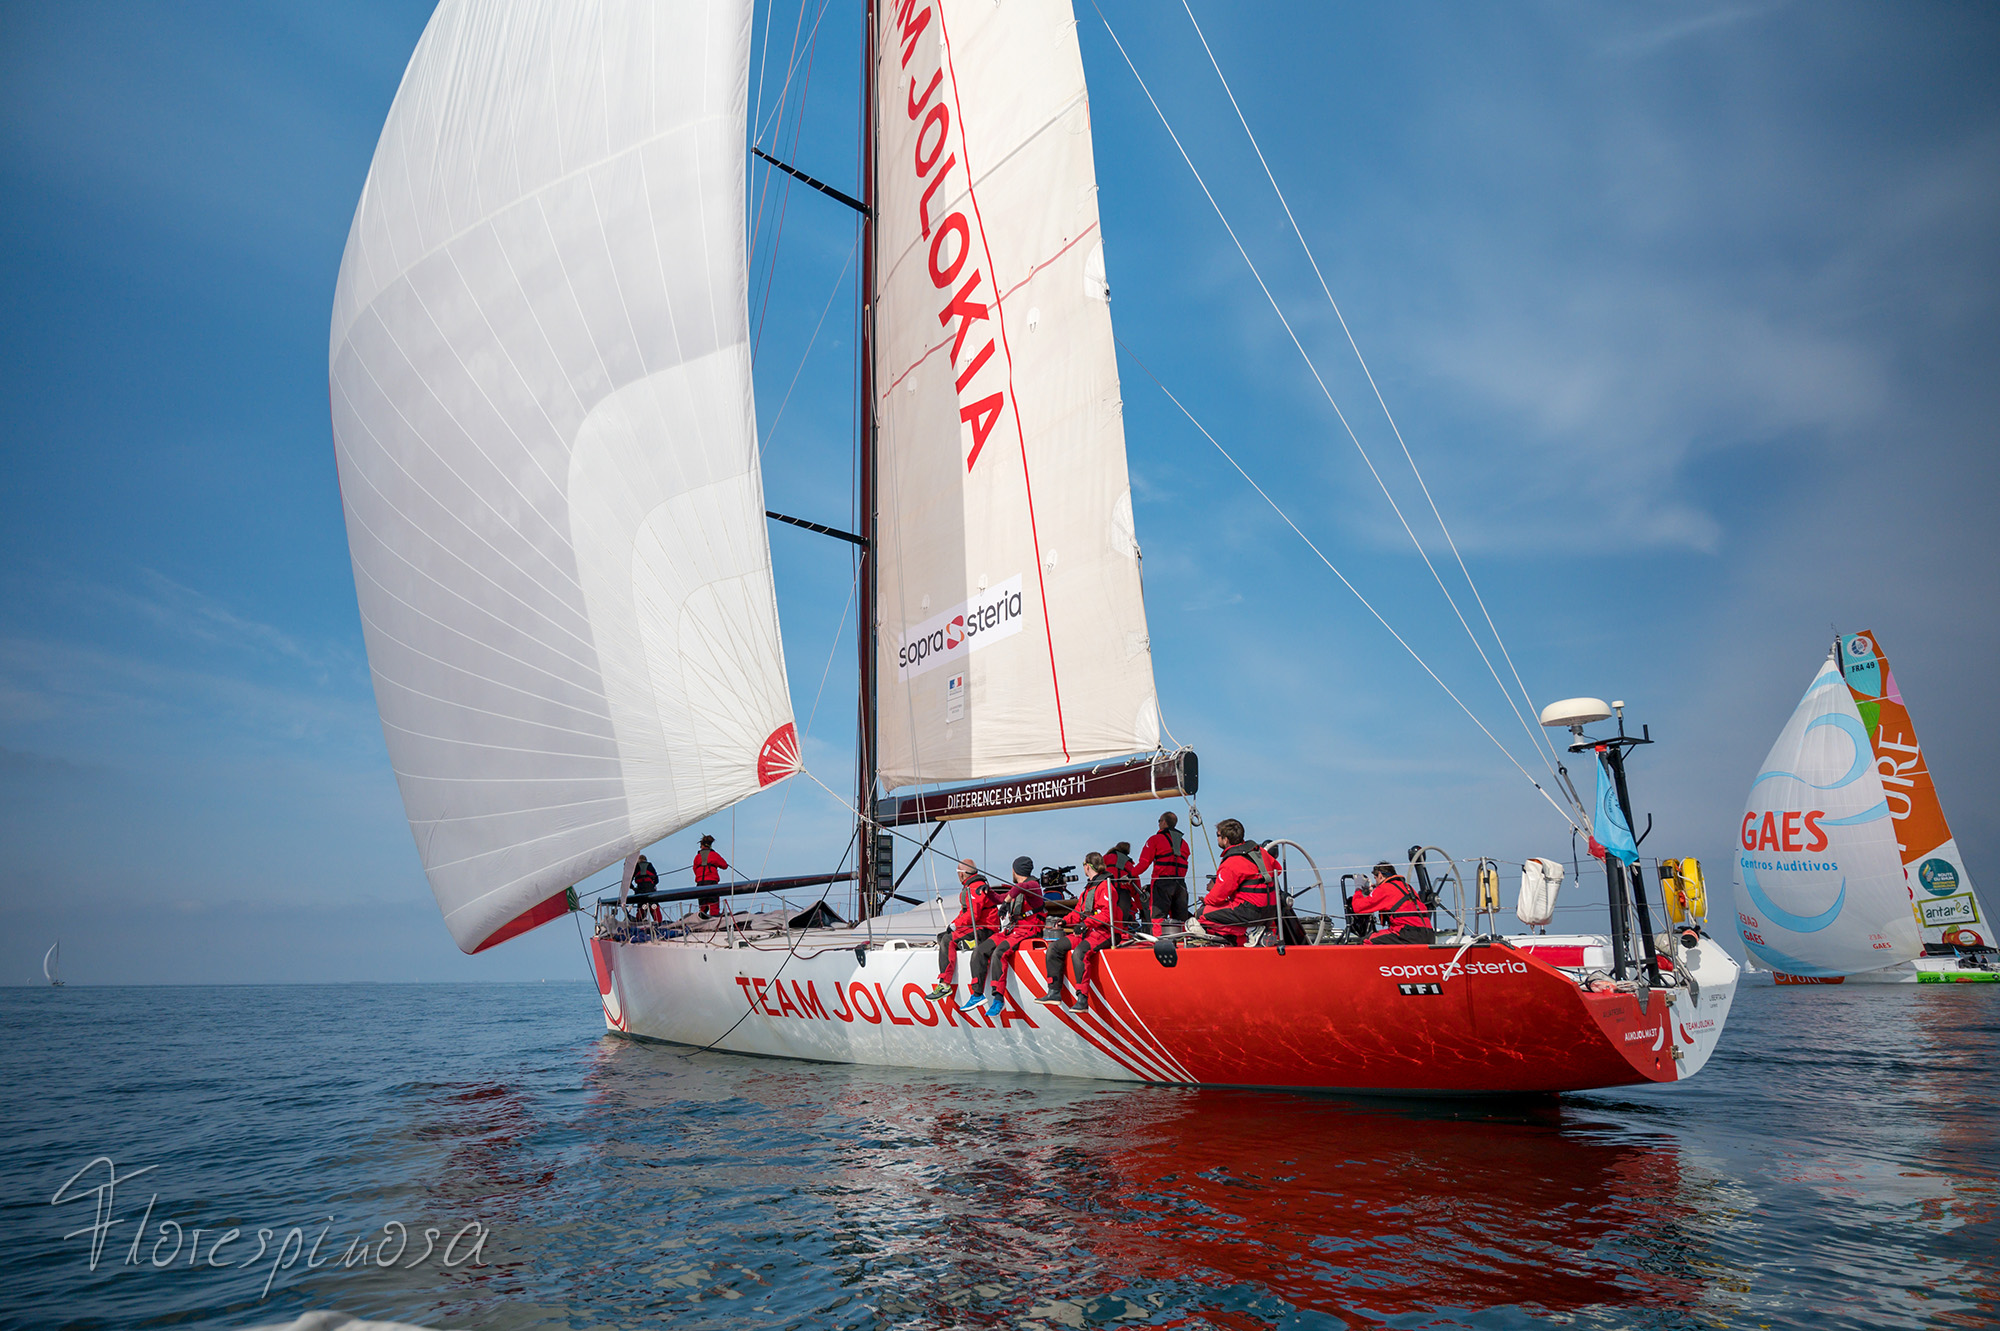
(1819, 882)
(540, 383)
(1012, 631)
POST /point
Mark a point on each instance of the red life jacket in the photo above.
(1168, 857)
(1395, 902)
(984, 904)
(1120, 865)
(708, 867)
(1254, 890)
(1102, 905)
(975, 908)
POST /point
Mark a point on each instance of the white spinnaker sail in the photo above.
(1012, 630)
(540, 380)
(1820, 887)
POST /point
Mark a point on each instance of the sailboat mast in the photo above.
(866, 757)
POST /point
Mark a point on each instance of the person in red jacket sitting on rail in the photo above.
(708, 867)
(1104, 911)
(1400, 913)
(1167, 852)
(978, 920)
(1245, 892)
(1021, 916)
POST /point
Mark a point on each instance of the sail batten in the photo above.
(1011, 627)
(539, 373)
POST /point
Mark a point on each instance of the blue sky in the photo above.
(1686, 311)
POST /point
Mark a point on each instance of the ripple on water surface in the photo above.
(1834, 1166)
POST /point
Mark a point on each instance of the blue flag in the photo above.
(1611, 831)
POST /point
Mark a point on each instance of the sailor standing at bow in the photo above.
(708, 867)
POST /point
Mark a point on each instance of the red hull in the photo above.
(1379, 1019)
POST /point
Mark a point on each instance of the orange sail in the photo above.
(1940, 888)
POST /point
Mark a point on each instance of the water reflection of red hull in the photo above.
(1379, 1214)
(992, 1202)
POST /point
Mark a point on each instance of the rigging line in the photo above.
(757, 126)
(764, 60)
(1365, 602)
(785, 195)
(791, 952)
(1325, 391)
(875, 823)
(792, 66)
(833, 295)
(1241, 119)
(757, 137)
(777, 824)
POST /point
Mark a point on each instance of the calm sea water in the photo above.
(1836, 1165)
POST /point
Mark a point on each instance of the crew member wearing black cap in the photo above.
(708, 867)
(1021, 916)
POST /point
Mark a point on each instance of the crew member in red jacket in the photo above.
(1400, 914)
(1167, 854)
(1021, 917)
(1119, 861)
(1104, 910)
(708, 867)
(1245, 891)
(978, 919)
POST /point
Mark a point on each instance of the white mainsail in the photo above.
(50, 962)
(1011, 627)
(541, 394)
(1820, 886)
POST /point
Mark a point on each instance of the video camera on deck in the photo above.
(1056, 880)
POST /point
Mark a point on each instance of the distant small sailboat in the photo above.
(1846, 868)
(50, 961)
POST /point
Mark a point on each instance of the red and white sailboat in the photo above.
(541, 391)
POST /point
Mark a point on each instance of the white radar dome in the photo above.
(1575, 712)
